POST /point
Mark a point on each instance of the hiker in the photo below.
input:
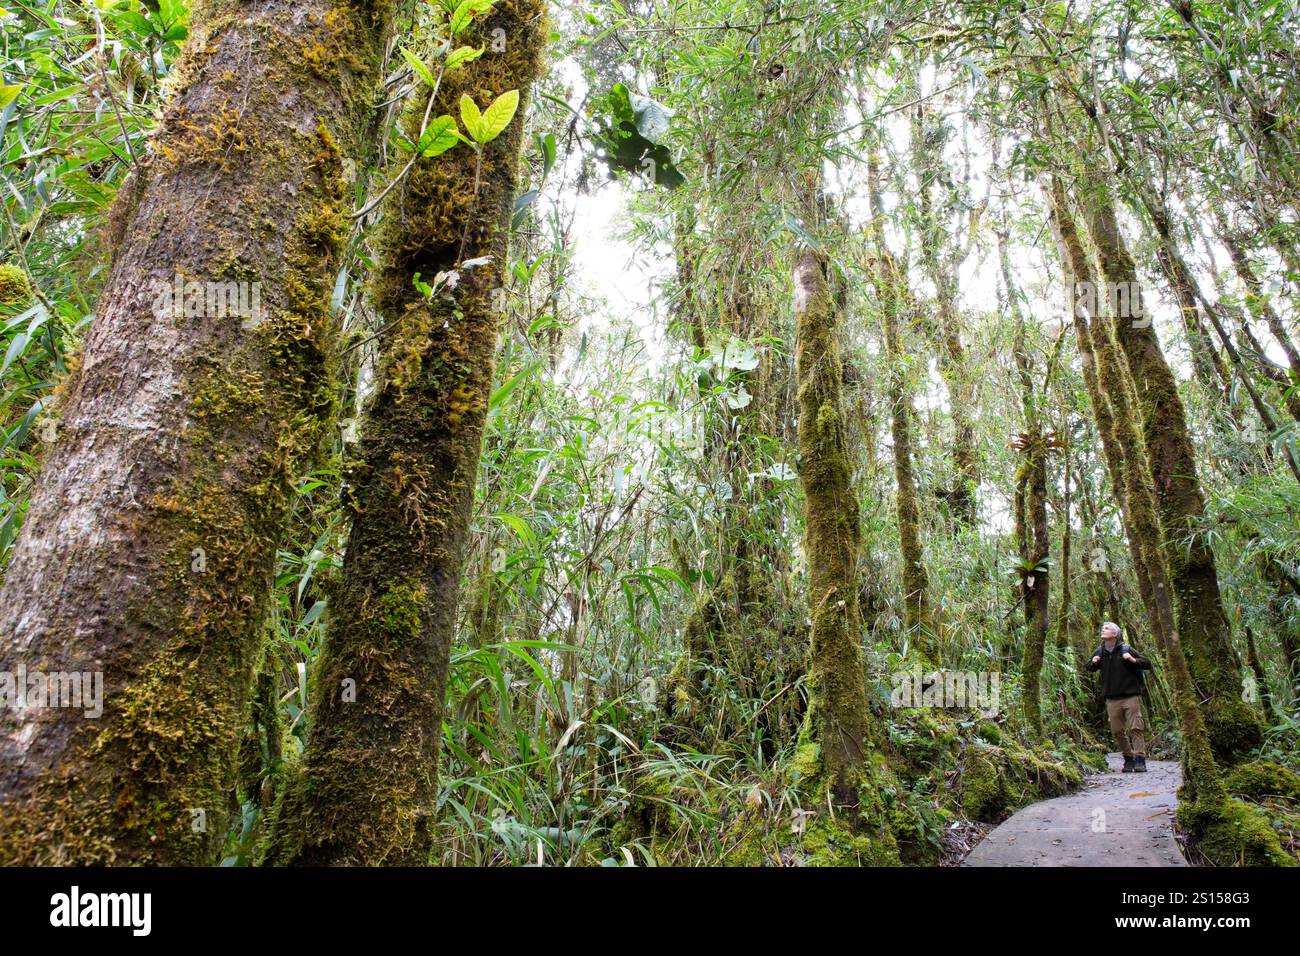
(1121, 684)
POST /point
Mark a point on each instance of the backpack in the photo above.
(1141, 674)
(1125, 649)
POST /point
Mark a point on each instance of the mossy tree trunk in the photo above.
(1112, 408)
(368, 789)
(741, 624)
(149, 546)
(1031, 508)
(1065, 606)
(839, 717)
(1286, 589)
(1202, 626)
(1201, 772)
(897, 307)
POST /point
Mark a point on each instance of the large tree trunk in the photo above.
(150, 542)
(839, 716)
(1201, 772)
(1121, 443)
(1202, 626)
(368, 790)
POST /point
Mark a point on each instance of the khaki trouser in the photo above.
(1125, 715)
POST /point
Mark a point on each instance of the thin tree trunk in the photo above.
(941, 262)
(1259, 306)
(1064, 608)
(1031, 512)
(151, 538)
(896, 305)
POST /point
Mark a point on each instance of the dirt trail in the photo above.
(1117, 819)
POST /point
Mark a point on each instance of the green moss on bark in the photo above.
(187, 555)
(368, 790)
(838, 717)
(15, 287)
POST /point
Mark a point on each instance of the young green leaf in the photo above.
(7, 93)
(466, 12)
(440, 136)
(498, 116)
(471, 117)
(418, 66)
(462, 55)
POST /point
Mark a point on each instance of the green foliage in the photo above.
(631, 133)
(628, 682)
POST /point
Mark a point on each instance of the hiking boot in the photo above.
(1128, 765)
(1139, 764)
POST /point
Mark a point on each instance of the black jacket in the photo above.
(1119, 678)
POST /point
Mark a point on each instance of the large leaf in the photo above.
(630, 134)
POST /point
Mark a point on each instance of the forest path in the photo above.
(1117, 819)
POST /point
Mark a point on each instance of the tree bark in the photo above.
(839, 717)
(151, 538)
(368, 790)
(1259, 306)
(896, 307)
(1121, 445)
(1202, 625)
